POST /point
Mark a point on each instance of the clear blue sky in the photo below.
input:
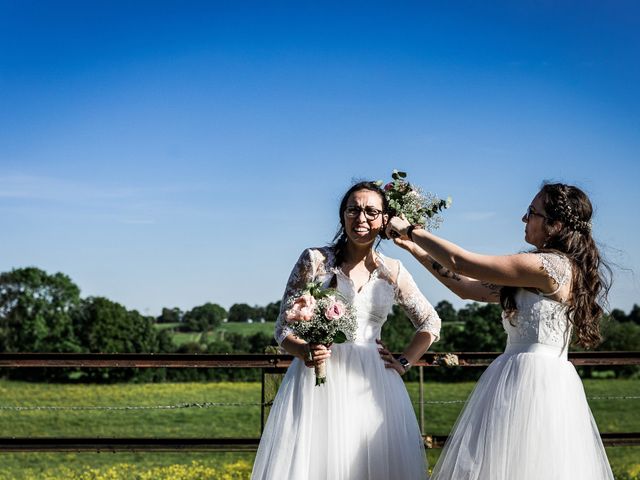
(175, 153)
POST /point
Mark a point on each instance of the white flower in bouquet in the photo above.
(322, 316)
(411, 202)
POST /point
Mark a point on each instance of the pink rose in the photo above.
(335, 310)
(302, 309)
(388, 186)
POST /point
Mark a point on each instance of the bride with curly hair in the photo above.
(528, 417)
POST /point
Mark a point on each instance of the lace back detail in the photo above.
(538, 320)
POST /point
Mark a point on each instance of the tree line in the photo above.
(211, 315)
(41, 312)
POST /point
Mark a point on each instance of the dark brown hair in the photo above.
(340, 238)
(591, 275)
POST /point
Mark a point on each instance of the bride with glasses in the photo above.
(360, 424)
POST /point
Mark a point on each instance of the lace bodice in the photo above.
(538, 318)
(390, 283)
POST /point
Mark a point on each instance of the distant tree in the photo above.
(271, 311)
(239, 343)
(258, 313)
(170, 315)
(104, 326)
(204, 317)
(618, 336)
(618, 315)
(634, 314)
(36, 311)
(446, 312)
(107, 327)
(240, 312)
(259, 341)
(483, 330)
(397, 330)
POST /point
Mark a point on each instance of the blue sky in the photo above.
(175, 153)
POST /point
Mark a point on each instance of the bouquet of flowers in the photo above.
(407, 200)
(321, 315)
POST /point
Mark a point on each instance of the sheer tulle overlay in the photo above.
(528, 417)
(361, 424)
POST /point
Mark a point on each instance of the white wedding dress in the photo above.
(361, 424)
(528, 417)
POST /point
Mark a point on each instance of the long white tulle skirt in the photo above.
(360, 425)
(527, 419)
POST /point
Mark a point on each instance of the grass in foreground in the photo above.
(220, 421)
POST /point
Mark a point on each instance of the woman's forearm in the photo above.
(443, 252)
(449, 279)
(464, 287)
(295, 346)
(419, 344)
(446, 253)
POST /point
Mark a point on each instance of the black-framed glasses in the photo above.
(531, 211)
(370, 213)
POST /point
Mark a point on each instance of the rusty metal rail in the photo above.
(178, 360)
(92, 444)
(268, 364)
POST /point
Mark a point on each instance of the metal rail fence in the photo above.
(269, 364)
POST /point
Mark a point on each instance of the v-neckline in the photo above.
(372, 275)
(353, 285)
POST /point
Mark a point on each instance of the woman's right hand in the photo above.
(315, 354)
(397, 227)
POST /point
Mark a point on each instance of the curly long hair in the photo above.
(340, 239)
(591, 274)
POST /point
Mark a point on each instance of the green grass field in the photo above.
(243, 328)
(222, 421)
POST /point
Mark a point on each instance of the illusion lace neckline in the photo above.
(373, 275)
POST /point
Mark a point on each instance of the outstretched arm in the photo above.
(464, 287)
(519, 270)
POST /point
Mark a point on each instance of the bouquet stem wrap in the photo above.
(321, 373)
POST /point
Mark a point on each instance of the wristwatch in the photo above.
(405, 363)
(410, 232)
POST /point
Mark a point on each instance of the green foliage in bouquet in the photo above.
(418, 207)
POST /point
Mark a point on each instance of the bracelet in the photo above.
(410, 232)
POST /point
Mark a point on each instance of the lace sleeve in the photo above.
(416, 306)
(558, 267)
(301, 275)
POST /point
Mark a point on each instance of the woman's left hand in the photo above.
(389, 360)
(407, 244)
